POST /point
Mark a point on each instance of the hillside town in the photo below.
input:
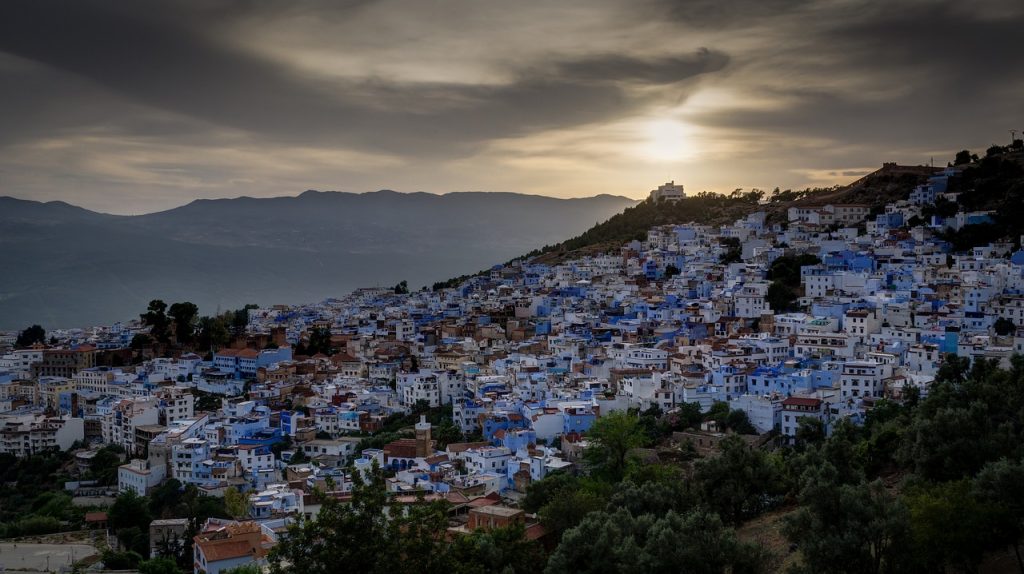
(472, 393)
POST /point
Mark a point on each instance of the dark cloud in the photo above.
(562, 85)
(726, 14)
(613, 67)
(921, 75)
(175, 61)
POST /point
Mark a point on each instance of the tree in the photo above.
(125, 560)
(243, 569)
(738, 421)
(734, 250)
(998, 486)
(963, 157)
(31, 336)
(184, 316)
(236, 503)
(780, 298)
(359, 536)
(686, 416)
(160, 565)
(949, 526)
(213, 333)
(850, 529)
(104, 464)
(611, 438)
(739, 483)
(319, 341)
(1004, 327)
(141, 341)
(240, 317)
(402, 288)
(694, 542)
(156, 319)
(503, 550)
(129, 517)
(671, 271)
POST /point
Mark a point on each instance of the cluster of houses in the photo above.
(527, 356)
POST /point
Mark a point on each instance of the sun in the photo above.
(665, 140)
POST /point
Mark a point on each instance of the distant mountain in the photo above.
(68, 266)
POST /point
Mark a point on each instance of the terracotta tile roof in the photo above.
(801, 402)
(225, 550)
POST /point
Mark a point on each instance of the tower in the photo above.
(423, 449)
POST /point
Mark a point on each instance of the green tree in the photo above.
(159, 565)
(156, 319)
(503, 550)
(998, 486)
(125, 560)
(963, 157)
(319, 341)
(850, 529)
(738, 421)
(243, 569)
(739, 483)
(213, 333)
(611, 438)
(129, 517)
(1004, 327)
(695, 542)
(949, 526)
(236, 503)
(185, 316)
(104, 464)
(31, 336)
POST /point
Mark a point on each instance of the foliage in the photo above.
(733, 250)
(611, 439)
(156, 319)
(850, 529)
(103, 466)
(236, 503)
(784, 274)
(618, 541)
(370, 535)
(126, 560)
(739, 483)
(31, 336)
(319, 343)
(159, 565)
(1004, 327)
(185, 316)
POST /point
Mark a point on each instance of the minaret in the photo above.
(423, 449)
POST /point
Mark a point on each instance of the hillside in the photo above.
(68, 266)
(995, 178)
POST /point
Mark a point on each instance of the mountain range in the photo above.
(67, 266)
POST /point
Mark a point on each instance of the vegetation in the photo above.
(31, 336)
(369, 535)
(784, 274)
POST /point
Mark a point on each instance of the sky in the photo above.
(139, 106)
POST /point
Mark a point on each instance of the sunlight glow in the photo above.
(665, 140)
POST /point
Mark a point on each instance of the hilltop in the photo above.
(993, 182)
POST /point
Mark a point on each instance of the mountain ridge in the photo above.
(70, 266)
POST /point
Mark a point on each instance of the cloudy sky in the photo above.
(130, 107)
